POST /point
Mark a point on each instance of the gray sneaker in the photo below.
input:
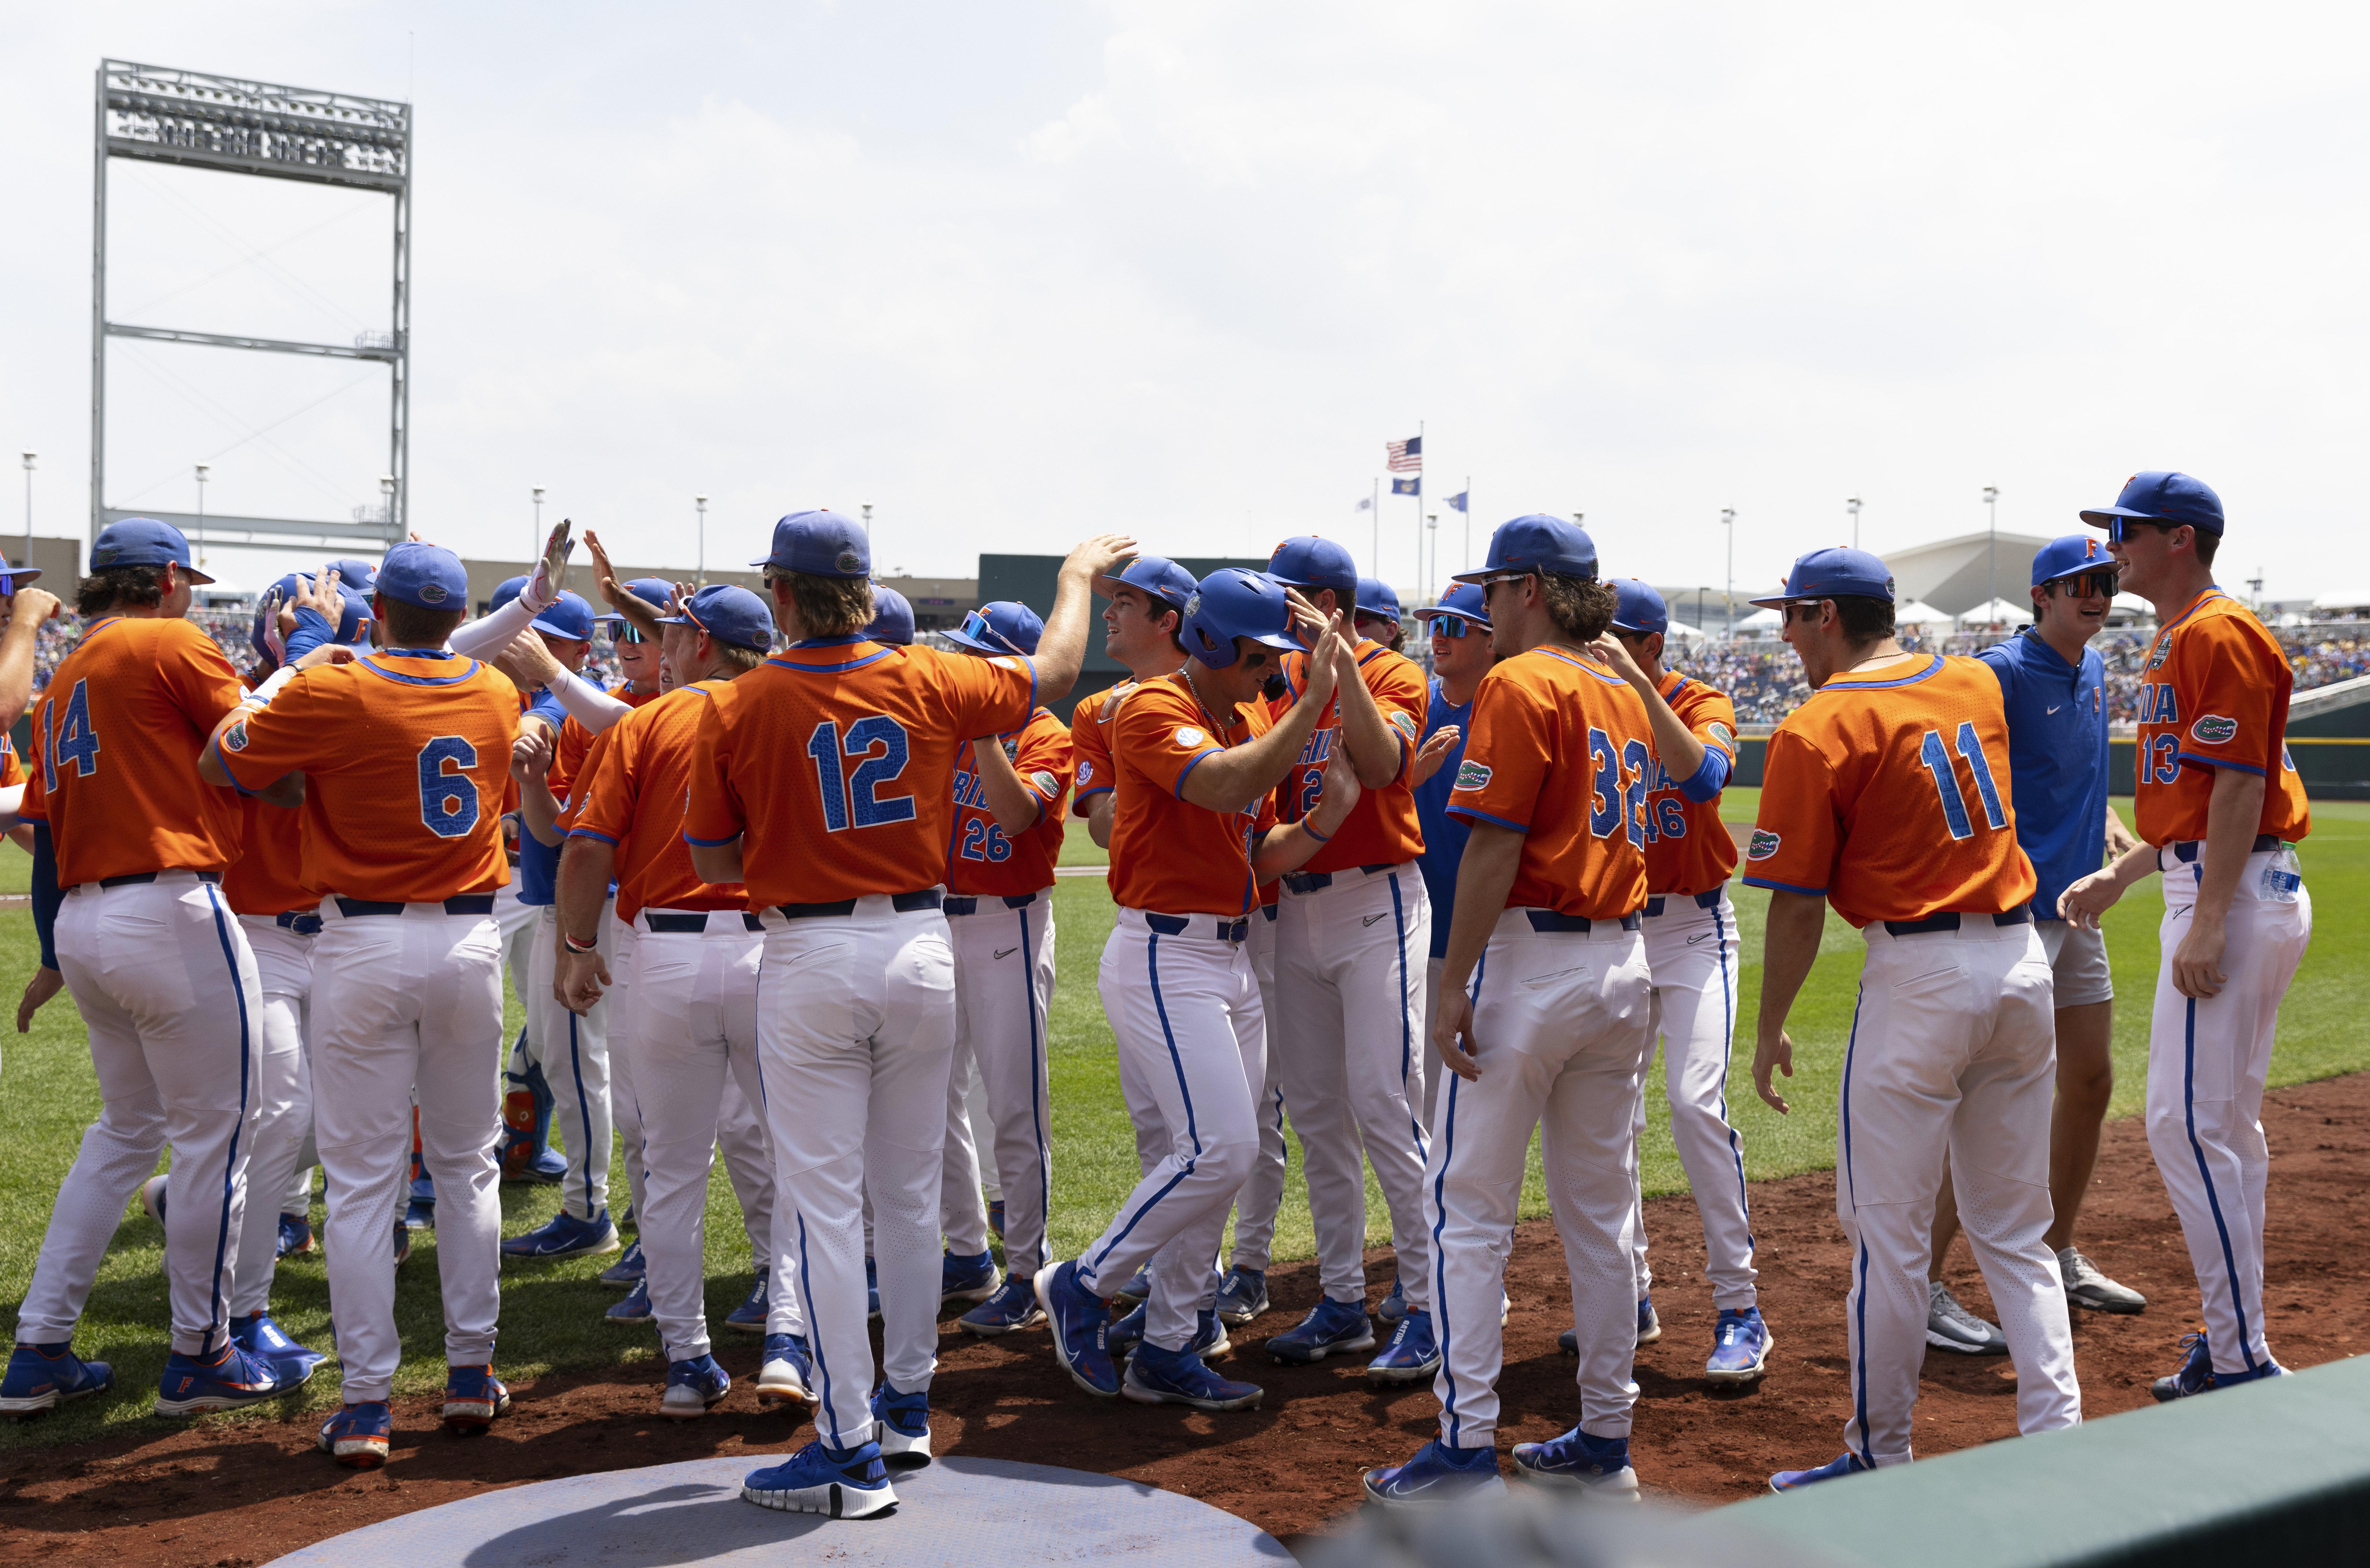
(1950, 1326)
(2086, 1287)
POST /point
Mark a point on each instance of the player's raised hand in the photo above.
(1307, 620)
(1433, 753)
(531, 755)
(279, 620)
(37, 603)
(1773, 1055)
(550, 573)
(1324, 659)
(1096, 557)
(1452, 1032)
(1611, 651)
(1338, 788)
(604, 577)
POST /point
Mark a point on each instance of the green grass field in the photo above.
(551, 1317)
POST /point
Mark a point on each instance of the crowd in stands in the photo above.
(231, 630)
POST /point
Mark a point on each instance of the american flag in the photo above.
(1406, 456)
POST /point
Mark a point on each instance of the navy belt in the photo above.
(2184, 850)
(1178, 925)
(137, 878)
(1268, 910)
(1701, 900)
(1312, 881)
(968, 903)
(1950, 920)
(467, 903)
(1548, 920)
(306, 923)
(695, 924)
(904, 903)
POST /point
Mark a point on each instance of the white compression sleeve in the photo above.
(488, 635)
(586, 703)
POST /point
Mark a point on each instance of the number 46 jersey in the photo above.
(1888, 793)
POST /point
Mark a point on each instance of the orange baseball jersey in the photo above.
(268, 877)
(1090, 752)
(123, 724)
(12, 771)
(1168, 855)
(1561, 751)
(1381, 829)
(836, 758)
(1888, 793)
(633, 798)
(2216, 695)
(1688, 849)
(980, 857)
(575, 742)
(404, 756)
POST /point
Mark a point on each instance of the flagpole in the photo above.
(1418, 507)
(1468, 510)
(1375, 509)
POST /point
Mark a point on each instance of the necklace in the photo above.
(1217, 730)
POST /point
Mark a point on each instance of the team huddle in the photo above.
(787, 893)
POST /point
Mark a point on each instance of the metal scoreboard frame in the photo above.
(236, 126)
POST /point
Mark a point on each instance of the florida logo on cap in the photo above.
(433, 593)
(849, 561)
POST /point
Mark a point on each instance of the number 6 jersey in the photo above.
(1888, 793)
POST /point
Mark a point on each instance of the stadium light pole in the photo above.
(1852, 506)
(203, 469)
(29, 508)
(700, 502)
(1991, 546)
(535, 546)
(386, 498)
(879, 567)
(1728, 521)
(1431, 521)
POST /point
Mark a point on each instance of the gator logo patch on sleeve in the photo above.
(2213, 730)
(1722, 736)
(1047, 785)
(1471, 775)
(234, 738)
(1764, 844)
(1410, 731)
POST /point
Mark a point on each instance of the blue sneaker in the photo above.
(420, 1208)
(1739, 1347)
(402, 1243)
(1794, 1480)
(357, 1436)
(872, 1289)
(1080, 1320)
(1137, 1291)
(902, 1427)
(41, 1376)
(1014, 1306)
(627, 1272)
(1242, 1297)
(996, 1219)
(259, 1336)
(967, 1279)
(473, 1397)
(1650, 1327)
(786, 1373)
(635, 1308)
(692, 1386)
(2194, 1375)
(1413, 1354)
(749, 1318)
(1596, 1467)
(845, 1483)
(1395, 1305)
(1209, 1335)
(563, 1236)
(1334, 1326)
(229, 1380)
(1438, 1474)
(1179, 1377)
(295, 1235)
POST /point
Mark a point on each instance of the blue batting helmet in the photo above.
(1232, 602)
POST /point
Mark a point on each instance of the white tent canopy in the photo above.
(1918, 612)
(2352, 599)
(1680, 628)
(1996, 610)
(1761, 621)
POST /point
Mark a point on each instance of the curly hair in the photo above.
(113, 586)
(1581, 607)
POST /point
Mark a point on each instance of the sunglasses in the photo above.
(2120, 529)
(976, 626)
(2086, 584)
(1451, 625)
(627, 631)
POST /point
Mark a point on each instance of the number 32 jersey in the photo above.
(1888, 794)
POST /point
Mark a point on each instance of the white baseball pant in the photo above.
(406, 1005)
(574, 1051)
(1349, 994)
(1560, 1020)
(1185, 1006)
(749, 1166)
(1953, 1054)
(516, 918)
(284, 968)
(2207, 1060)
(1004, 986)
(625, 1110)
(1691, 948)
(855, 1031)
(167, 987)
(963, 1206)
(1436, 1071)
(1262, 1195)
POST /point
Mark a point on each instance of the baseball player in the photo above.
(1352, 930)
(159, 969)
(1690, 932)
(1192, 831)
(1886, 793)
(29, 608)
(2054, 687)
(2221, 810)
(1378, 617)
(1555, 1023)
(824, 782)
(407, 969)
(1461, 654)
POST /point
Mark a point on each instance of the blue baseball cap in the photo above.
(1156, 576)
(893, 617)
(357, 574)
(509, 588)
(1464, 599)
(2071, 554)
(655, 591)
(1639, 608)
(142, 541)
(427, 575)
(1835, 573)
(2163, 497)
(1307, 562)
(14, 576)
(1378, 599)
(728, 614)
(1536, 542)
(821, 544)
(568, 615)
(353, 622)
(1006, 626)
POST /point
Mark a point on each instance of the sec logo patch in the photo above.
(1087, 772)
(2213, 730)
(1764, 844)
(1471, 775)
(1190, 737)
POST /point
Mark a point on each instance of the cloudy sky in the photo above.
(1013, 275)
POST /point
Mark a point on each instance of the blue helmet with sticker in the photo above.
(1232, 602)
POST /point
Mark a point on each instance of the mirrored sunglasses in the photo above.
(2085, 584)
(976, 627)
(2120, 529)
(1450, 625)
(627, 631)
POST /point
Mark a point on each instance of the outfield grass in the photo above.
(551, 1317)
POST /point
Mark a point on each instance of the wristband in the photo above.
(1311, 831)
(575, 946)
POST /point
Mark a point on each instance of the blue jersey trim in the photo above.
(1485, 816)
(1706, 781)
(1841, 684)
(2190, 759)
(839, 669)
(369, 661)
(1785, 887)
(588, 833)
(710, 843)
(1199, 759)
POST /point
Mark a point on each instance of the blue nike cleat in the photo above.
(259, 1336)
(42, 1376)
(1594, 1467)
(749, 1318)
(1014, 1306)
(295, 1235)
(1242, 1296)
(872, 1289)
(473, 1398)
(626, 1220)
(402, 1243)
(967, 1279)
(787, 1374)
(1413, 1354)
(1080, 1321)
(902, 1427)
(2194, 1375)
(1209, 1335)
(228, 1379)
(996, 1219)
(563, 1236)
(357, 1436)
(627, 1272)
(845, 1483)
(1136, 1291)
(1438, 1474)
(1332, 1328)
(1395, 1305)
(1650, 1327)
(1739, 1347)
(1794, 1480)
(420, 1208)
(1179, 1377)
(694, 1386)
(635, 1308)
